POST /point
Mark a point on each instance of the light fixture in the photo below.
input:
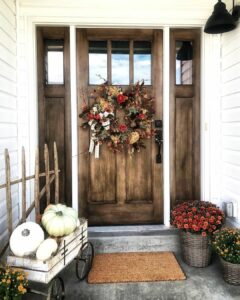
(221, 20)
(185, 52)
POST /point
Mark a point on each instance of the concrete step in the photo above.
(112, 239)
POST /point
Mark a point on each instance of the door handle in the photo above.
(159, 140)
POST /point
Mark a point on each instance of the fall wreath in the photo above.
(120, 119)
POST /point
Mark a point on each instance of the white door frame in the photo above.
(30, 23)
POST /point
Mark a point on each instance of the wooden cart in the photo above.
(73, 246)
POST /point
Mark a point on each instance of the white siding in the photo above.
(230, 111)
(8, 105)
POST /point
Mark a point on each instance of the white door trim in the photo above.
(29, 24)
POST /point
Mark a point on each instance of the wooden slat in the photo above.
(36, 186)
(56, 173)
(55, 91)
(2, 186)
(8, 191)
(43, 190)
(23, 185)
(46, 161)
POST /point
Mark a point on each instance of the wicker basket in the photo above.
(196, 249)
(231, 272)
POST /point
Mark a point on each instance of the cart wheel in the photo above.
(84, 260)
(56, 289)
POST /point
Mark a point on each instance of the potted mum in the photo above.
(197, 221)
(226, 244)
(13, 284)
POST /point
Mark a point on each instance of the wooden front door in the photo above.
(117, 188)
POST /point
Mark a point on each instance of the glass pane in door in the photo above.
(120, 62)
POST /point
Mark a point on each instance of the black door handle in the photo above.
(159, 140)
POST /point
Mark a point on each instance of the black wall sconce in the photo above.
(185, 52)
(221, 20)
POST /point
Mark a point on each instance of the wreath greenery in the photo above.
(120, 119)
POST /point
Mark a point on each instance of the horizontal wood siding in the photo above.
(8, 106)
(230, 110)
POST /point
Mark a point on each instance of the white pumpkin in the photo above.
(26, 238)
(46, 249)
(59, 220)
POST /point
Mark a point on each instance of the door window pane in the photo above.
(142, 62)
(184, 63)
(97, 62)
(54, 62)
(120, 62)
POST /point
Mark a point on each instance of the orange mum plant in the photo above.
(197, 217)
(13, 284)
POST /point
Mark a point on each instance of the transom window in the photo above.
(120, 62)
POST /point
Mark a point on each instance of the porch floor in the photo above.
(201, 283)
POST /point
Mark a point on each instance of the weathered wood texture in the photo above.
(38, 194)
(184, 157)
(185, 123)
(45, 271)
(83, 136)
(117, 188)
(54, 111)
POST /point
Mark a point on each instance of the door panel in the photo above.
(138, 175)
(55, 115)
(118, 188)
(102, 188)
(184, 146)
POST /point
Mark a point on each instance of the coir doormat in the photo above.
(134, 267)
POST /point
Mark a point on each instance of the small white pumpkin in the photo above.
(26, 238)
(59, 220)
(46, 249)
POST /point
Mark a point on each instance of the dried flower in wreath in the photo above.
(120, 119)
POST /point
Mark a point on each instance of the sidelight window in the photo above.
(184, 63)
(54, 62)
